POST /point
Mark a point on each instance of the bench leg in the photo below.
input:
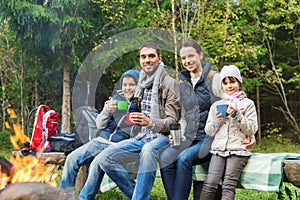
(198, 188)
(81, 177)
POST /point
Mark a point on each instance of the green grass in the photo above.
(271, 144)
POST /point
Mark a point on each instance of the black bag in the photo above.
(62, 142)
(86, 128)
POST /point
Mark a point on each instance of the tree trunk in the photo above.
(3, 101)
(174, 35)
(258, 112)
(66, 108)
(22, 107)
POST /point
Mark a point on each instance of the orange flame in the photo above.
(28, 168)
(12, 113)
(18, 137)
(7, 125)
(4, 179)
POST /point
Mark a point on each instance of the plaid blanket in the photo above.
(263, 172)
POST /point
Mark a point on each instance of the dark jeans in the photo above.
(177, 177)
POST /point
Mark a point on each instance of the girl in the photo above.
(230, 155)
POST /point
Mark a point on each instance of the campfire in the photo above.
(30, 169)
(29, 177)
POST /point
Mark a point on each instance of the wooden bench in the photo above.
(264, 172)
(283, 167)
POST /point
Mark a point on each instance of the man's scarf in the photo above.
(154, 81)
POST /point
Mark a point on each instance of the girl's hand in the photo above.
(220, 118)
(230, 109)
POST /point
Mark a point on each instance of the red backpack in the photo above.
(45, 126)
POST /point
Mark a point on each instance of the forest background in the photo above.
(43, 43)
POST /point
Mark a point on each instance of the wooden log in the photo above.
(292, 171)
(55, 156)
(16, 153)
(5, 166)
(36, 191)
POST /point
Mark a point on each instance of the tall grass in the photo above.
(271, 144)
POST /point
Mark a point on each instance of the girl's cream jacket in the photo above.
(230, 134)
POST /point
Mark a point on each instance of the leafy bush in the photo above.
(5, 144)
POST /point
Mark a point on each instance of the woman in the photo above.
(204, 86)
(198, 76)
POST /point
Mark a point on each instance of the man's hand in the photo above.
(140, 119)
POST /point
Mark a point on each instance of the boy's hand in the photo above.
(111, 104)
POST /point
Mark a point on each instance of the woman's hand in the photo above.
(249, 142)
(171, 140)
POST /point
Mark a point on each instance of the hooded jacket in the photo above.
(108, 122)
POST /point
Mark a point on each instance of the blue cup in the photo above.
(222, 109)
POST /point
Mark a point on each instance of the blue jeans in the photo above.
(82, 156)
(113, 161)
(177, 177)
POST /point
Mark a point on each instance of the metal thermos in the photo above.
(175, 133)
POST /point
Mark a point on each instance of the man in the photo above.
(160, 106)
